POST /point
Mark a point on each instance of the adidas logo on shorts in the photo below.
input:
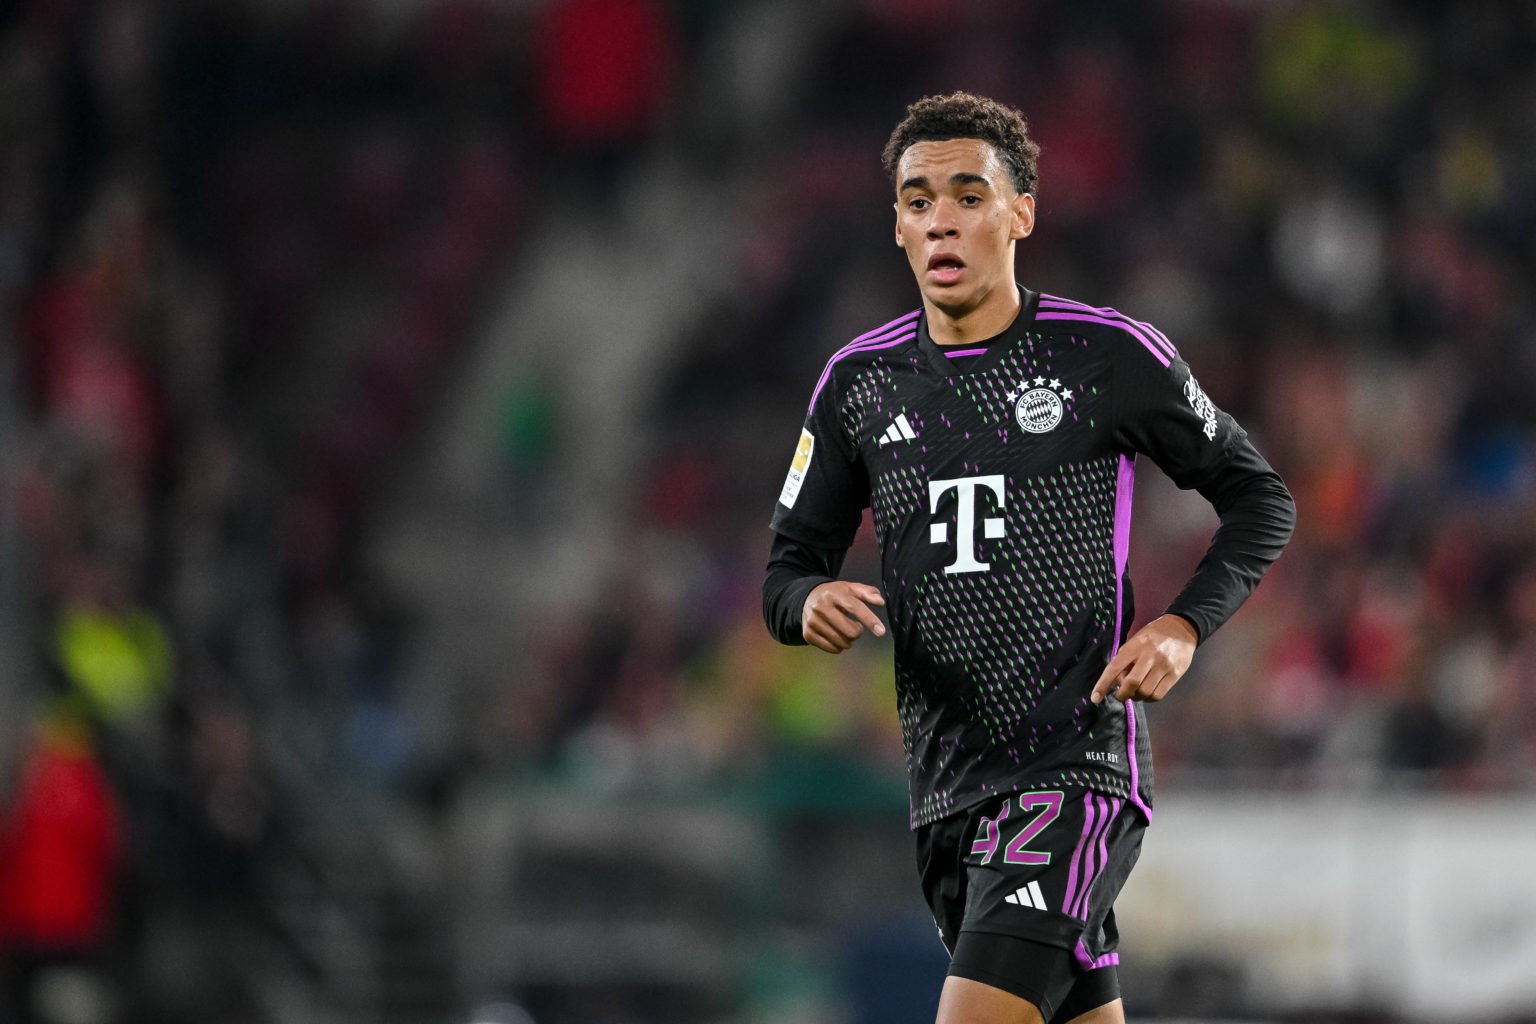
(1029, 896)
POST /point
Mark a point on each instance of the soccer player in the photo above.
(994, 432)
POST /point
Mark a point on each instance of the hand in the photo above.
(837, 613)
(1150, 662)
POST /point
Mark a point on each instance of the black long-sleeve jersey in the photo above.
(1000, 480)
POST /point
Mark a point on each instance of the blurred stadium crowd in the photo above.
(247, 251)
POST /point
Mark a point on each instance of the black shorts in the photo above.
(1023, 887)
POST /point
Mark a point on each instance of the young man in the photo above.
(994, 432)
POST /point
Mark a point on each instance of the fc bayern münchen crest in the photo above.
(1040, 408)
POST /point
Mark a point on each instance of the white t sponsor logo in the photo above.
(965, 518)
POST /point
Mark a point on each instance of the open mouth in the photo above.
(945, 267)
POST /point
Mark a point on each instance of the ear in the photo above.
(896, 206)
(1023, 206)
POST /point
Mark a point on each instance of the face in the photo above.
(958, 217)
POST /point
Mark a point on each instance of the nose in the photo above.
(943, 224)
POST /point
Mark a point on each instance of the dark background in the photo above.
(393, 396)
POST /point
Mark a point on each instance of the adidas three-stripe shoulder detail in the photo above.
(903, 328)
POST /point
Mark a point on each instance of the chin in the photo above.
(953, 300)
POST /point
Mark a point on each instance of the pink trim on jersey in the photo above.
(1088, 963)
(963, 352)
(1125, 486)
(865, 342)
(1157, 335)
(1057, 302)
(1130, 754)
(1106, 322)
(869, 346)
(885, 327)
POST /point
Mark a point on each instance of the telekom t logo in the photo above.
(965, 518)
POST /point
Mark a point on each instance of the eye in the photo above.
(971, 200)
(917, 204)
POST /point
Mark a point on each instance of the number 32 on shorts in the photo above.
(1036, 812)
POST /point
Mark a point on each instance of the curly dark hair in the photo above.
(964, 115)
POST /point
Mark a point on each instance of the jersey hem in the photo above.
(1104, 785)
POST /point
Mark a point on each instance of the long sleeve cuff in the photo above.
(794, 570)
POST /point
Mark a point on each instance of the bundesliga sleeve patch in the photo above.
(797, 469)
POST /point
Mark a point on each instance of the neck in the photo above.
(986, 319)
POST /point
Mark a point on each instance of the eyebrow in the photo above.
(958, 178)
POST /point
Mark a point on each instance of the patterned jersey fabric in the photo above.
(999, 478)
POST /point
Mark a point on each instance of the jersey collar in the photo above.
(995, 347)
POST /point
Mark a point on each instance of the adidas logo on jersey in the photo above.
(1030, 896)
(900, 430)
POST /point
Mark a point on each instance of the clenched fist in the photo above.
(837, 613)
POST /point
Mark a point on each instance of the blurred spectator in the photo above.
(241, 243)
(527, 437)
(113, 654)
(60, 847)
(605, 69)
